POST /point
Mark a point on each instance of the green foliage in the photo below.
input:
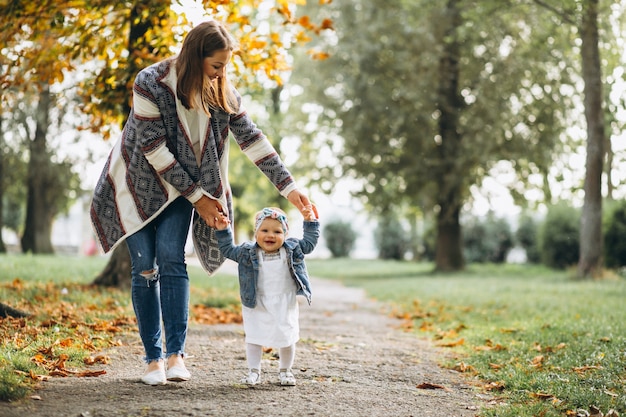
(528, 329)
(487, 240)
(559, 236)
(527, 237)
(614, 233)
(392, 240)
(340, 238)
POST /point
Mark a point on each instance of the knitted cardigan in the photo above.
(153, 163)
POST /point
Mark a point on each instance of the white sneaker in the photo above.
(253, 378)
(286, 378)
(156, 377)
(178, 374)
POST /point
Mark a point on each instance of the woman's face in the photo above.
(215, 66)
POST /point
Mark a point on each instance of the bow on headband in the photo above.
(272, 214)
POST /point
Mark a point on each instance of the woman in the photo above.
(172, 159)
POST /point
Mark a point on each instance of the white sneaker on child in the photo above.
(253, 378)
(286, 378)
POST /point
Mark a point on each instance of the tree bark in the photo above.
(3, 247)
(39, 211)
(449, 249)
(590, 261)
(116, 273)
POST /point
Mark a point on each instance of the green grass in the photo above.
(548, 344)
(70, 320)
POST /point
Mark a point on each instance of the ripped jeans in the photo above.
(160, 284)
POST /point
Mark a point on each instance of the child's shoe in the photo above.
(286, 378)
(253, 378)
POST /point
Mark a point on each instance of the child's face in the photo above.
(270, 236)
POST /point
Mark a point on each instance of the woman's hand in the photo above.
(299, 200)
(211, 211)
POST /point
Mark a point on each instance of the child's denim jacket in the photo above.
(246, 256)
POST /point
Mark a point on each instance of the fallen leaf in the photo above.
(452, 344)
(428, 385)
(83, 374)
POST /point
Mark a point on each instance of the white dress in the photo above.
(274, 320)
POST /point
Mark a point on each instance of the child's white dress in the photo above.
(274, 320)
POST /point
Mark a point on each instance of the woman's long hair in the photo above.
(202, 42)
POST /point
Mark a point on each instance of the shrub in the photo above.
(559, 237)
(614, 232)
(392, 241)
(527, 237)
(339, 238)
(487, 240)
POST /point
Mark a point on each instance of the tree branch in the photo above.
(561, 13)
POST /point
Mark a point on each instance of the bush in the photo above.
(488, 240)
(614, 232)
(527, 237)
(559, 237)
(392, 241)
(339, 238)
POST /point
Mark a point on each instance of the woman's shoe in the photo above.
(154, 378)
(178, 373)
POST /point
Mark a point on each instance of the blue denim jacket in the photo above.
(246, 256)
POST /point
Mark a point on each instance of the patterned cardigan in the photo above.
(153, 163)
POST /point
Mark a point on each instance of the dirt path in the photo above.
(352, 361)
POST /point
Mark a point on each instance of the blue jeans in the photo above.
(160, 284)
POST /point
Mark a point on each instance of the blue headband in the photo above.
(272, 214)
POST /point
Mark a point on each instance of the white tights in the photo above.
(286, 356)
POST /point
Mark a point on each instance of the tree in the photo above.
(36, 56)
(419, 123)
(583, 14)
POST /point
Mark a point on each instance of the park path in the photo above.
(352, 361)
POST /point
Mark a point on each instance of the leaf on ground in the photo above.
(458, 342)
(428, 385)
(583, 369)
(494, 386)
(543, 396)
(83, 374)
(103, 359)
(537, 361)
(463, 367)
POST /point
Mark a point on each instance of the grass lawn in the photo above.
(542, 343)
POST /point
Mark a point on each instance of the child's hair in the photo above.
(272, 213)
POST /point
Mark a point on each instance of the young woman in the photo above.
(172, 159)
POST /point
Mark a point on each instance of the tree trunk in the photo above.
(590, 262)
(116, 273)
(3, 247)
(449, 248)
(39, 211)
